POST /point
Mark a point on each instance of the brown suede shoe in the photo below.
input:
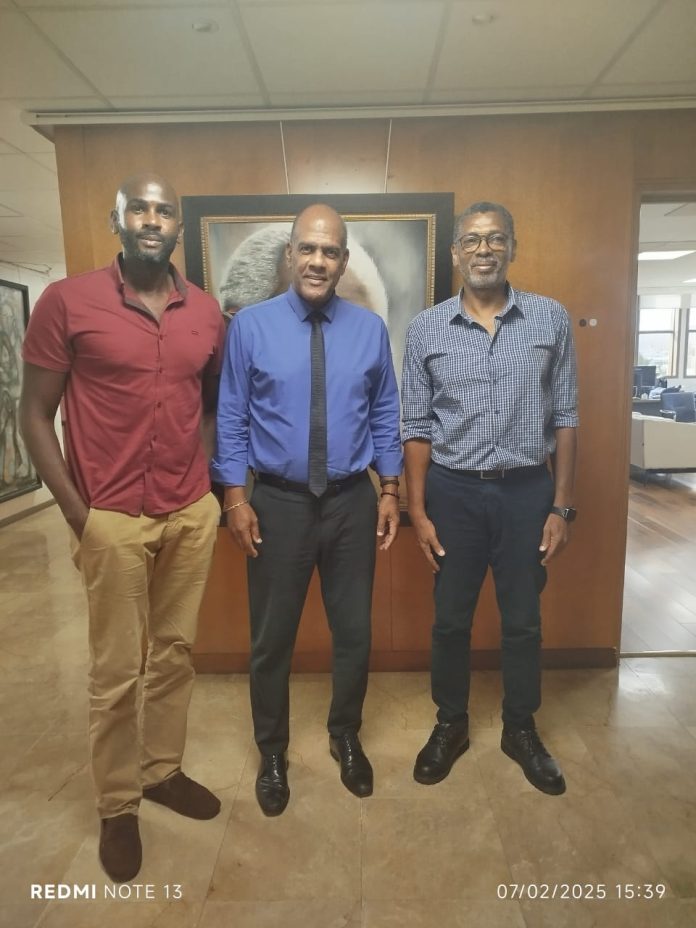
(185, 796)
(120, 850)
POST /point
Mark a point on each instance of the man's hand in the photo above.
(428, 540)
(78, 520)
(388, 518)
(243, 526)
(554, 538)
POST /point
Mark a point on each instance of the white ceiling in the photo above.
(115, 55)
(667, 227)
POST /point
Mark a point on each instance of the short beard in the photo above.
(129, 243)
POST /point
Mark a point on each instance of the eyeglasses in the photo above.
(496, 241)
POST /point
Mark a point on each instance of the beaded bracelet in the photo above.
(235, 505)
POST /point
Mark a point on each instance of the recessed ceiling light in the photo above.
(662, 255)
(483, 19)
(205, 25)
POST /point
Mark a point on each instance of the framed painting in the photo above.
(17, 473)
(399, 250)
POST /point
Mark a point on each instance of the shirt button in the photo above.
(148, 469)
(161, 338)
(161, 370)
(158, 404)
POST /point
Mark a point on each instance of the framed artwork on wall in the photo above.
(17, 473)
(399, 250)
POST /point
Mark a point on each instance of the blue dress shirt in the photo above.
(263, 409)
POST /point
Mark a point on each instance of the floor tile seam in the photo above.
(496, 822)
(234, 798)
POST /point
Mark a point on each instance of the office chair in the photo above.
(679, 406)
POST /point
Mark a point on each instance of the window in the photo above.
(658, 322)
(691, 340)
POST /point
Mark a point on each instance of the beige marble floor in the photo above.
(408, 857)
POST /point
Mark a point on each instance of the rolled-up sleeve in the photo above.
(230, 461)
(416, 390)
(564, 401)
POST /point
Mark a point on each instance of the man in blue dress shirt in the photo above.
(309, 401)
(489, 396)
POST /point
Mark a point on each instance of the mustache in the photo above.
(153, 236)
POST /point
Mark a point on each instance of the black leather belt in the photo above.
(510, 473)
(332, 488)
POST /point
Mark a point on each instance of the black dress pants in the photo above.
(337, 534)
(481, 523)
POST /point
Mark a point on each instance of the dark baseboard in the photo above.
(318, 662)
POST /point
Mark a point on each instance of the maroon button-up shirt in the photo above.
(133, 397)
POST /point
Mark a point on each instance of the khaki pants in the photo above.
(141, 573)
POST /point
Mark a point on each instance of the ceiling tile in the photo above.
(646, 89)
(208, 5)
(354, 98)
(29, 66)
(180, 102)
(534, 43)
(46, 160)
(515, 94)
(151, 52)
(8, 211)
(23, 226)
(663, 51)
(355, 45)
(18, 172)
(43, 205)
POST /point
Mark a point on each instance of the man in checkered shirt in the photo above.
(489, 399)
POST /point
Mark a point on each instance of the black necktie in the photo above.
(317, 408)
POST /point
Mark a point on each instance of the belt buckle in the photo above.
(491, 474)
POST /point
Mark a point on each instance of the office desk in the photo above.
(646, 407)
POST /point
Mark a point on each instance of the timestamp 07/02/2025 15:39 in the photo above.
(577, 891)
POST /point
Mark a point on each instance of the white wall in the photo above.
(36, 283)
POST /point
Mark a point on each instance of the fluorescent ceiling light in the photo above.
(691, 280)
(662, 255)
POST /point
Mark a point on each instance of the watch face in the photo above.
(566, 512)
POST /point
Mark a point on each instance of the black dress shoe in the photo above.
(447, 742)
(356, 770)
(272, 790)
(525, 747)
(120, 850)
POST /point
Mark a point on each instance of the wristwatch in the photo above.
(565, 512)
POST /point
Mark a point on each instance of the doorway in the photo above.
(659, 613)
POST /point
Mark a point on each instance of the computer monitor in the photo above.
(644, 376)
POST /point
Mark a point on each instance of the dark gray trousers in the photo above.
(335, 533)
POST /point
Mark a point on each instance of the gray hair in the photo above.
(251, 273)
(484, 206)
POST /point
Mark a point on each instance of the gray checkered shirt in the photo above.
(488, 403)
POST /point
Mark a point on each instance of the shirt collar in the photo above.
(116, 271)
(512, 303)
(302, 308)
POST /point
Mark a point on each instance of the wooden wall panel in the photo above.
(572, 183)
(565, 181)
(336, 157)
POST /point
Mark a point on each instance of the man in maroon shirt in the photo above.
(134, 352)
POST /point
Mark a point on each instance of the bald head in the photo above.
(147, 182)
(147, 218)
(325, 216)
